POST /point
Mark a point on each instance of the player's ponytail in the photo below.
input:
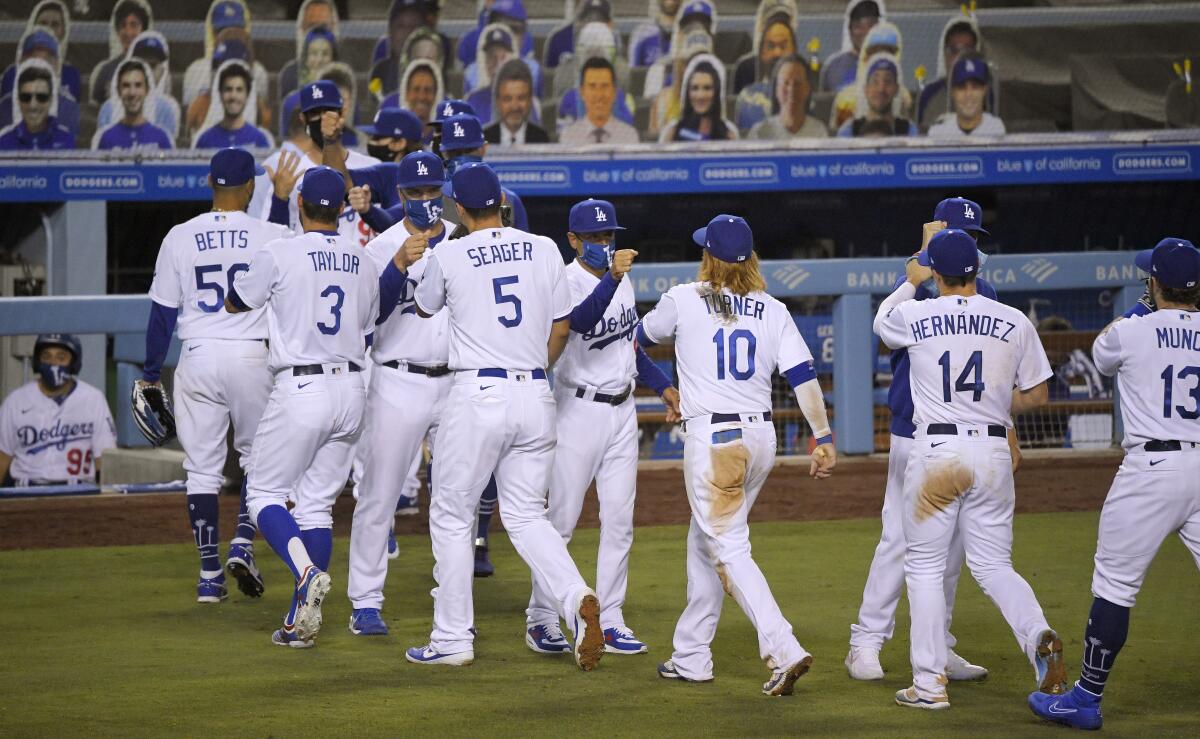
(740, 278)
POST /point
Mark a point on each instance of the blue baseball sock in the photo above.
(319, 543)
(487, 506)
(1108, 625)
(281, 532)
(202, 511)
(245, 524)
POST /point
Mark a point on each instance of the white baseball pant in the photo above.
(724, 468)
(505, 425)
(402, 408)
(966, 482)
(595, 441)
(1146, 504)
(218, 380)
(305, 444)
(885, 578)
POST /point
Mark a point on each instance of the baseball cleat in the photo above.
(1049, 668)
(284, 638)
(783, 680)
(589, 639)
(240, 566)
(406, 505)
(863, 664)
(909, 698)
(958, 668)
(483, 563)
(546, 639)
(393, 548)
(620, 640)
(668, 671)
(1077, 708)
(427, 656)
(367, 622)
(211, 591)
(310, 594)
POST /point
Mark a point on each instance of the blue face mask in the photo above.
(53, 376)
(597, 256)
(456, 162)
(423, 213)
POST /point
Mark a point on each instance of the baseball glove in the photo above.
(152, 412)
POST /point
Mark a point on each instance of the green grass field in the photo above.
(109, 642)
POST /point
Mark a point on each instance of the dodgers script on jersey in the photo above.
(49, 441)
(322, 297)
(197, 263)
(507, 332)
(966, 355)
(405, 336)
(602, 357)
(350, 223)
(746, 338)
(1157, 360)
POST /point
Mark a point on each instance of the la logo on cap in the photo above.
(970, 66)
(600, 216)
(968, 213)
(316, 93)
(458, 130)
(422, 170)
(448, 110)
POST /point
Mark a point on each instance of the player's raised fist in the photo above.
(331, 126)
(929, 230)
(360, 198)
(411, 250)
(824, 459)
(915, 273)
(622, 262)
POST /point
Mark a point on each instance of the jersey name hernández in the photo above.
(321, 296)
(503, 288)
(727, 346)
(405, 336)
(198, 262)
(1156, 359)
(601, 357)
(966, 355)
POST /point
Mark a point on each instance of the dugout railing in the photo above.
(833, 301)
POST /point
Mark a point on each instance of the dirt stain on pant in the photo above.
(724, 575)
(943, 483)
(727, 483)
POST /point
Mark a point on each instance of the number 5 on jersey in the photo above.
(498, 285)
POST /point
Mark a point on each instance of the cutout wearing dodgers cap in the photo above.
(323, 186)
(474, 185)
(727, 238)
(233, 167)
(951, 253)
(593, 216)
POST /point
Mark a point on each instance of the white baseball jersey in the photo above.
(405, 336)
(602, 357)
(52, 441)
(504, 288)
(197, 264)
(350, 223)
(321, 295)
(966, 355)
(727, 346)
(1157, 359)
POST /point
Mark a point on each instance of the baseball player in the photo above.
(509, 309)
(973, 364)
(597, 422)
(322, 299)
(885, 579)
(54, 429)
(730, 338)
(222, 374)
(1155, 492)
(462, 143)
(373, 189)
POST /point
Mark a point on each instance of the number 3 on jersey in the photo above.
(729, 355)
(974, 368)
(336, 310)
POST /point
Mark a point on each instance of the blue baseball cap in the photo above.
(323, 185)
(883, 63)
(951, 253)
(474, 185)
(421, 169)
(230, 49)
(449, 107)
(320, 95)
(1145, 259)
(969, 68)
(228, 14)
(702, 8)
(40, 39)
(514, 9)
(397, 123)
(499, 36)
(1175, 263)
(592, 216)
(960, 213)
(727, 238)
(233, 167)
(461, 132)
(150, 47)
